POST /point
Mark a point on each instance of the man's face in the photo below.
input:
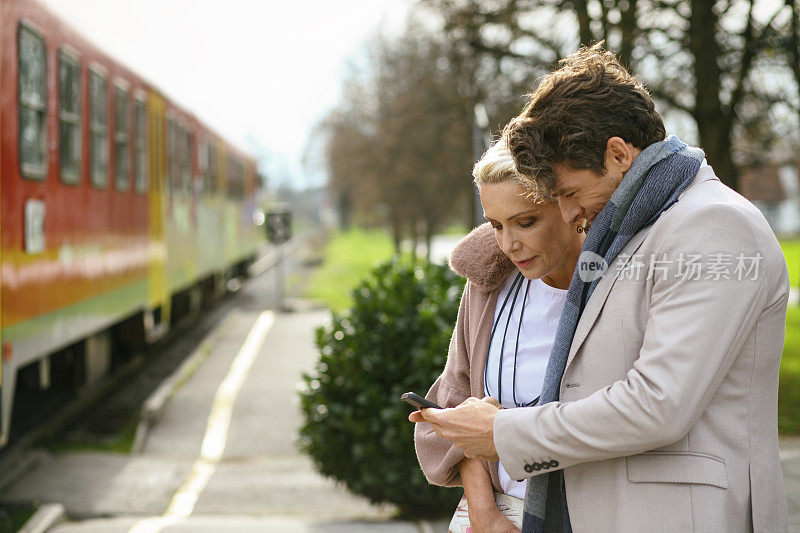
(582, 194)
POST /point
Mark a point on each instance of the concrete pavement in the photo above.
(244, 524)
(790, 464)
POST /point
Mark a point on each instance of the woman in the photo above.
(506, 324)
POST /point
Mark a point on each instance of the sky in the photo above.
(260, 72)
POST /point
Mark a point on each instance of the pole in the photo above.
(279, 279)
(481, 140)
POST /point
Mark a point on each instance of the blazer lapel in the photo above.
(604, 286)
(601, 291)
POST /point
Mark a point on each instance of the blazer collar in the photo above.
(601, 291)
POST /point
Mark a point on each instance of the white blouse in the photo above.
(543, 306)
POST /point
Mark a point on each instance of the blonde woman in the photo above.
(506, 324)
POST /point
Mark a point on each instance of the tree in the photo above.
(424, 128)
(696, 56)
(400, 141)
(342, 143)
(794, 46)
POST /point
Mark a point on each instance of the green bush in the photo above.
(393, 340)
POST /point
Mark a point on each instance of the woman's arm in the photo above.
(437, 457)
(483, 512)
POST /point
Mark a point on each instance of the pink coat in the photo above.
(478, 258)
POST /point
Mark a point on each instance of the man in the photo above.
(659, 407)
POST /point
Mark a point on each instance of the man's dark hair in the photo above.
(575, 110)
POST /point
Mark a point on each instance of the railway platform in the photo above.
(223, 455)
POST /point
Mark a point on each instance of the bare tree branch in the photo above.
(670, 99)
(748, 51)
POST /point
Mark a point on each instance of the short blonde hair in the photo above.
(497, 166)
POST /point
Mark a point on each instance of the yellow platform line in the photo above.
(216, 435)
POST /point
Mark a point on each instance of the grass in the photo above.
(348, 258)
(121, 442)
(789, 391)
(456, 228)
(13, 517)
(791, 251)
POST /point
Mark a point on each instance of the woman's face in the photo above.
(534, 236)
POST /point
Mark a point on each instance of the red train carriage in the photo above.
(117, 205)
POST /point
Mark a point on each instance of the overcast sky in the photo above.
(261, 72)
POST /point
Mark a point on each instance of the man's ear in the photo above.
(619, 155)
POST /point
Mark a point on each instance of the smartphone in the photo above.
(418, 401)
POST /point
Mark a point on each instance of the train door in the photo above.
(5, 411)
(159, 294)
(3, 422)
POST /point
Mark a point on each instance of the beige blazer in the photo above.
(668, 413)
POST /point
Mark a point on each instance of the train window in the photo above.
(213, 168)
(181, 161)
(188, 172)
(235, 178)
(240, 189)
(231, 174)
(122, 138)
(69, 117)
(98, 124)
(171, 172)
(184, 183)
(141, 147)
(32, 104)
(202, 162)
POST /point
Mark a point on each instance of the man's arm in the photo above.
(694, 331)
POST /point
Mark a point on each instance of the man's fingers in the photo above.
(493, 401)
(430, 414)
(416, 416)
(424, 415)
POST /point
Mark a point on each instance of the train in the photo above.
(119, 209)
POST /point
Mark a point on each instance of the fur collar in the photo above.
(478, 258)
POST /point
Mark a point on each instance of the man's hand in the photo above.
(469, 426)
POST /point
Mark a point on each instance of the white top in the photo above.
(543, 307)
